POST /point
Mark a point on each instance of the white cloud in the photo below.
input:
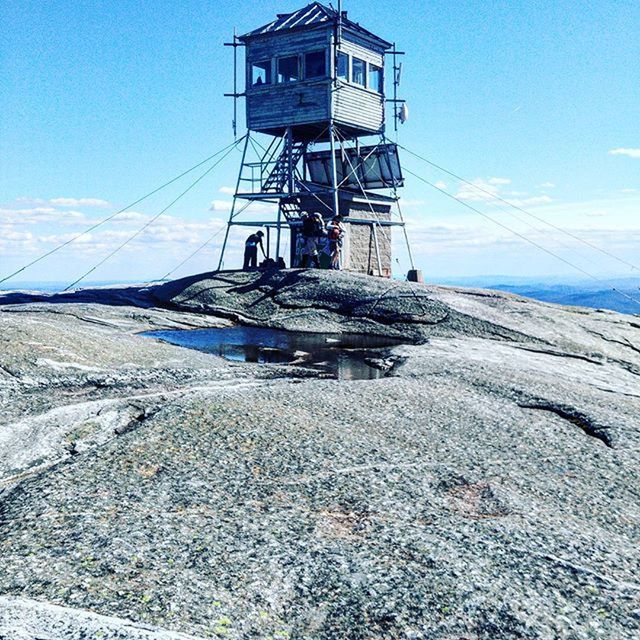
(490, 189)
(37, 215)
(16, 236)
(34, 202)
(168, 232)
(230, 191)
(629, 191)
(29, 212)
(411, 203)
(621, 151)
(530, 202)
(255, 207)
(220, 205)
(547, 185)
(441, 185)
(59, 238)
(79, 202)
(131, 216)
(472, 244)
(455, 239)
(477, 190)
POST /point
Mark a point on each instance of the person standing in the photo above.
(335, 232)
(251, 250)
(312, 230)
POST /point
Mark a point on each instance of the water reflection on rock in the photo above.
(345, 356)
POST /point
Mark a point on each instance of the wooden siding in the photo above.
(290, 104)
(358, 107)
(360, 39)
(348, 45)
(282, 44)
(276, 106)
(354, 105)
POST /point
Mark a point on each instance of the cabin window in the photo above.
(343, 66)
(375, 78)
(288, 69)
(261, 73)
(315, 64)
(358, 71)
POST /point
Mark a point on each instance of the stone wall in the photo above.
(360, 246)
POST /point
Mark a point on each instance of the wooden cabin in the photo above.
(302, 73)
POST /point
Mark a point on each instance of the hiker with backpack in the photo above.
(251, 250)
(335, 233)
(312, 230)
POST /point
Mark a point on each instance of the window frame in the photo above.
(347, 57)
(380, 85)
(362, 84)
(295, 57)
(324, 74)
(268, 73)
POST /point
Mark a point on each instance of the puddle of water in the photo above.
(340, 355)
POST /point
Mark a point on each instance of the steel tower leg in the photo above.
(278, 232)
(235, 200)
(406, 237)
(374, 227)
(334, 169)
(288, 141)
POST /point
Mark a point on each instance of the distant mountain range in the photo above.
(617, 294)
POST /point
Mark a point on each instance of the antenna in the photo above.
(235, 86)
(400, 112)
(235, 95)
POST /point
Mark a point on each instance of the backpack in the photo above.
(309, 226)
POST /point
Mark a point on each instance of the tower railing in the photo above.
(270, 173)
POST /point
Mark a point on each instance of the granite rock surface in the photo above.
(485, 488)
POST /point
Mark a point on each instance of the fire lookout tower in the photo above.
(315, 92)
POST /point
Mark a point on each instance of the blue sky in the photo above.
(101, 102)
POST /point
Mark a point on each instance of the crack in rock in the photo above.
(561, 354)
(573, 416)
(7, 372)
(625, 342)
(137, 420)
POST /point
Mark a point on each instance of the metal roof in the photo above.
(313, 15)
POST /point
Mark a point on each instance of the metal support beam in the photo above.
(290, 184)
(290, 167)
(370, 221)
(254, 223)
(236, 94)
(377, 247)
(235, 200)
(406, 237)
(278, 232)
(334, 169)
